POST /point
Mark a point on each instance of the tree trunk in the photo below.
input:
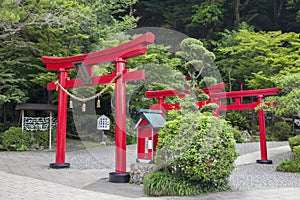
(4, 118)
(277, 10)
(237, 13)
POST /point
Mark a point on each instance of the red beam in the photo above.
(77, 82)
(97, 80)
(135, 75)
(166, 93)
(130, 49)
(165, 106)
(238, 106)
(163, 93)
(246, 93)
(215, 88)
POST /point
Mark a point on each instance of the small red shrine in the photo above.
(147, 127)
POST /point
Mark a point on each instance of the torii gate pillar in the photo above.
(262, 134)
(61, 123)
(120, 119)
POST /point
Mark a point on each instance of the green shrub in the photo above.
(163, 183)
(281, 131)
(14, 139)
(294, 141)
(197, 149)
(208, 81)
(130, 139)
(236, 119)
(209, 107)
(297, 155)
(41, 138)
(237, 135)
(288, 166)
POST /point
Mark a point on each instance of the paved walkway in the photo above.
(25, 175)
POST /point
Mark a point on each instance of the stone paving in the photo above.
(26, 175)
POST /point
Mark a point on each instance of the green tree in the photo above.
(31, 29)
(208, 17)
(197, 61)
(254, 57)
(287, 103)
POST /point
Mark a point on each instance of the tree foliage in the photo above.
(30, 29)
(254, 57)
(206, 18)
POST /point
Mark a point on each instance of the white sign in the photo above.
(38, 123)
(103, 123)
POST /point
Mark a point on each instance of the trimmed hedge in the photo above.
(292, 166)
(297, 155)
(294, 141)
(195, 153)
(14, 140)
(281, 131)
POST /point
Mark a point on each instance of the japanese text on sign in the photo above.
(103, 123)
(38, 123)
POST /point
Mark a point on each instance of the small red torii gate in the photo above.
(118, 55)
(216, 94)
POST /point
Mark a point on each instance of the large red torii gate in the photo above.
(216, 94)
(118, 55)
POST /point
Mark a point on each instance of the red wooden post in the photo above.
(120, 118)
(161, 100)
(262, 135)
(61, 122)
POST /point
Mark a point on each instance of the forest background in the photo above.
(256, 43)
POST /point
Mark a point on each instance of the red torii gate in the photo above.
(118, 55)
(215, 93)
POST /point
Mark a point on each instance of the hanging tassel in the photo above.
(71, 104)
(83, 107)
(98, 103)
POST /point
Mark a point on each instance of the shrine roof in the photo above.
(155, 119)
(36, 106)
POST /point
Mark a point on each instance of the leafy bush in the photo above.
(236, 119)
(197, 149)
(41, 138)
(209, 107)
(297, 155)
(237, 135)
(294, 141)
(208, 81)
(288, 166)
(163, 183)
(14, 139)
(281, 131)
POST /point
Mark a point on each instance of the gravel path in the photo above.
(260, 176)
(244, 177)
(244, 148)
